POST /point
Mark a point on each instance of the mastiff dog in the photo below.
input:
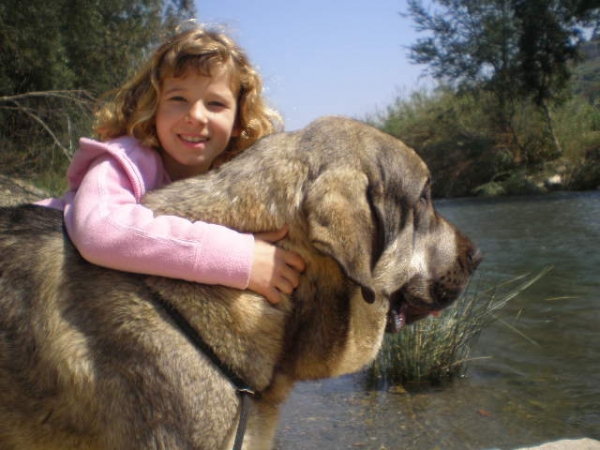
(92, 358)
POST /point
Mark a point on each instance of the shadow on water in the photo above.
(523, 392)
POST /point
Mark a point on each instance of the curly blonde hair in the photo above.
(132, 108)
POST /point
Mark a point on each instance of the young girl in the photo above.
(195, 104)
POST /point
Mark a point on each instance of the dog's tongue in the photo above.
(399, 320)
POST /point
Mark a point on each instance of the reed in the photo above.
(437, 349)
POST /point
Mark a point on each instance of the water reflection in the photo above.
(527, 392)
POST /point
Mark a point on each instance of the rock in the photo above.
(568, 444)
(564, 444)
(554, 183)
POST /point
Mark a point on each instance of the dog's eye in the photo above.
(425, 197)
(423, 203)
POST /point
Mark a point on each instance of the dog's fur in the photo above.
(90, 360)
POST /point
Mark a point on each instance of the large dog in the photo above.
(92, 358)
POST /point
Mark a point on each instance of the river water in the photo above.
(522, 391)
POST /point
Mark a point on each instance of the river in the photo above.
(523, 391)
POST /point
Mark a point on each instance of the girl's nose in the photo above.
(197, 113)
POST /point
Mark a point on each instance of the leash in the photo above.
(245, 392)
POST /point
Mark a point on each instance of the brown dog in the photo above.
(90, 358)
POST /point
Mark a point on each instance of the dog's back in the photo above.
(27, 235)
(80, 346)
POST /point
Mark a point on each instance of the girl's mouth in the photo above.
(193, 139)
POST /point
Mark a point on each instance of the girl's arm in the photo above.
(110, 229)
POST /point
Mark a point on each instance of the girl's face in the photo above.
(195, 119)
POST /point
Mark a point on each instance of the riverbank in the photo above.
(559, 175)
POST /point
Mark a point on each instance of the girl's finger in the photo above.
(295, 261)
(272, 236)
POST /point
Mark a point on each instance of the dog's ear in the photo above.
(342, 224)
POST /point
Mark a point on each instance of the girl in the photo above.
(196, 104)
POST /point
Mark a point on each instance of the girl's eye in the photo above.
(217, 104)
(177, 98)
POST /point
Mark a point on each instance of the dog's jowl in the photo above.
(92, 358)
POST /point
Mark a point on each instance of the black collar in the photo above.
(242, 387)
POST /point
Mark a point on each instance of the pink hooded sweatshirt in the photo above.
(110, 228)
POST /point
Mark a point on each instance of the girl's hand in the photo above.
(274, 270)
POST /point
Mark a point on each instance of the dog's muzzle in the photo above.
(420, 297)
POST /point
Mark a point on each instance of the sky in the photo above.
(322, 57)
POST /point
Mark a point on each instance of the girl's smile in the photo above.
(193, 139)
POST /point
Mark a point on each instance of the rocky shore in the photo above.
(559, 175)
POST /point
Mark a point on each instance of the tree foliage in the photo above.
(469, 40)
(79, 44)
(511, 44)
(456, 134)
(77, 48)
(517, 49)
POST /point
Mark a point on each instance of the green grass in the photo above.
(438, 349)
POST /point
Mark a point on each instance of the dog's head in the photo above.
(371, 210)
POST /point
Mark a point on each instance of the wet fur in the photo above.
(90, 360)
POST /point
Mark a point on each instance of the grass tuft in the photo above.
(437, 349)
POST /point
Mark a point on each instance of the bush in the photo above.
(41, 131)
(459, 137)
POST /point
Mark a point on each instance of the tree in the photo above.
(518, 49)
(72, 50)
(31, 47)
(106, 39)
(471, 46)
(80, 44)
(549, 41)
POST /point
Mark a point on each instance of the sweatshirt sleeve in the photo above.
(111, 229)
